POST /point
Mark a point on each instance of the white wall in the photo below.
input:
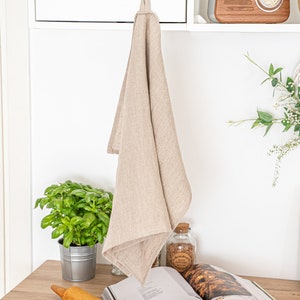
(239, 220)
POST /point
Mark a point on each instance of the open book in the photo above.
(201, 281)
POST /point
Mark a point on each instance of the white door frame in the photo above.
(2, 217)
(15, 183)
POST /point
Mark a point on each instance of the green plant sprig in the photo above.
(263, 119)
(78, 213)
(288, 101)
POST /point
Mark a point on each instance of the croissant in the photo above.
(72, 293)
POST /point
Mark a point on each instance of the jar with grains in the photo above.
(181, 248)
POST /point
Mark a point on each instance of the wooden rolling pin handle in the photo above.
(58, 290)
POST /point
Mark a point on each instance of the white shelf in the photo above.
(194, 8)
(209, 27)
(102, 14)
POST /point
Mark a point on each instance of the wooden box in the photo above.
(251, 11)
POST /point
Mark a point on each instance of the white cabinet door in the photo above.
(169, 11)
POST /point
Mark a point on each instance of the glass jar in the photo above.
(116, 271)
(156, 262)
(181, 249)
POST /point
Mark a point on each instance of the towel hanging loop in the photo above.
(145, 5)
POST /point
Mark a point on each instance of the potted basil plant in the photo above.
(79, 215)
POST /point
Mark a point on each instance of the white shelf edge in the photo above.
(101, 26)
(209, 27)
(255, 28)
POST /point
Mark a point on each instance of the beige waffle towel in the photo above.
(152, 193)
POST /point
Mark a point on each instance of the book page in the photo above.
(214, 283)
(254, 290)
(163, 283)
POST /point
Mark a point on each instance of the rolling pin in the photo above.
(72, 293)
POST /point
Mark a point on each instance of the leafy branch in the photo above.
(288, 102)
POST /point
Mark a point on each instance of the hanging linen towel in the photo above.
(152, 193)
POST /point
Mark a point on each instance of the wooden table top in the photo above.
(37, 285)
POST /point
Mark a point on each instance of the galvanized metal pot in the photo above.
(78, 263)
